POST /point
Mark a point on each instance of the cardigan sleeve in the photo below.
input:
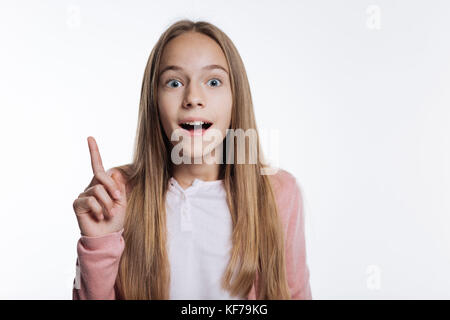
(291, 207)
(97, 266)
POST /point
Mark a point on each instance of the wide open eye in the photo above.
(174, 80)
(216, 80)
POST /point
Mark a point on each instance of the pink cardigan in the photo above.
(98, 257)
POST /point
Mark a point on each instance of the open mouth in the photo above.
(196, 125)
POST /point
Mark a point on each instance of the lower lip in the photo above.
(197, 132)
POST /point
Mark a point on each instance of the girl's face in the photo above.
(194, 84)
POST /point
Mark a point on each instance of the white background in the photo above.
(358, 91)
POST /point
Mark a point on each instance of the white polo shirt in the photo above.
(199, 239)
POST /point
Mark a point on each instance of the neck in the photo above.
(186, 173)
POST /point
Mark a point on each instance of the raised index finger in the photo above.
(96, 160)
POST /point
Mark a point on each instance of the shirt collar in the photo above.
(197, 185)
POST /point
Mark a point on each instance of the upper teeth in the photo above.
(195, 123)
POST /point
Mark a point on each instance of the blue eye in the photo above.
(216, 80)
(172, 80)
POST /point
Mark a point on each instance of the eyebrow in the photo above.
(177, 68)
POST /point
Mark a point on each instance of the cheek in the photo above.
(167, 110)
(225, 110)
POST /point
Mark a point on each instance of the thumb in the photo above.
(120, 182)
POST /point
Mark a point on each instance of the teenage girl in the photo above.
(159, 228)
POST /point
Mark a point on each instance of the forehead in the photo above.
(192, 51)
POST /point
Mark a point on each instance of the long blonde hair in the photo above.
(257, 255)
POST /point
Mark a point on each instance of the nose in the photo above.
(193, 97)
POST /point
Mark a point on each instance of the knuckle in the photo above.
(99, 212)
(91, 202)
(98, 208)
(98, 188)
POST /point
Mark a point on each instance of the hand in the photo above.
(101, 208)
